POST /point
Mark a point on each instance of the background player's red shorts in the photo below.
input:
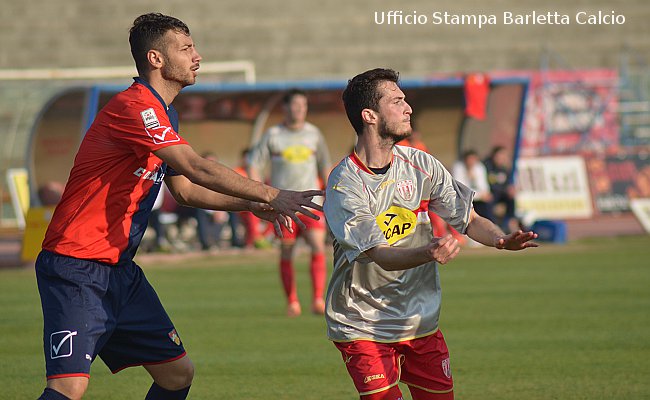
(422, 363)
(309, 223)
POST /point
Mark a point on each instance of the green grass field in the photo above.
(557, 322)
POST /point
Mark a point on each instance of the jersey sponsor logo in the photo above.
(405, 189)
(149, 118)
(297, 154)
(371, 378)
(163, 134)
(446, 368)
(61, 344)
(173, 336)
(155, 175)
(396, 223)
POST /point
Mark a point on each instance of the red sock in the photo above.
(318, 271)
(288, 280)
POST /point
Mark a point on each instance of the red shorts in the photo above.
(422, 363)
(309, 223)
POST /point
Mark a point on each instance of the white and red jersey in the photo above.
(115, 178)
(296, 157)
(364, 210)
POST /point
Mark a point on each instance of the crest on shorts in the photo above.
(173, 336)
(446, 368)
(405, 189)
(61, 344)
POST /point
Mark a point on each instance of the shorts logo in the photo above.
(405, 189)
(173, 336)
(396, 223)
(150, 119)
(371, 378)
(61, 344)
(446, 368)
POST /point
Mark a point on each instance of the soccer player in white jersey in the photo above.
(299, 158)
(383, 300)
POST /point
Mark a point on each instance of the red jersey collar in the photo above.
(356, 160)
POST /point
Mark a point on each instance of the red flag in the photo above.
(477, 88)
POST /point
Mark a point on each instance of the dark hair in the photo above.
(286, 99)
(469, 153)
(362, 93)
(148, 33)
(495, 150)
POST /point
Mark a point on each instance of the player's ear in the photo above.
(369, 116)
(155, 59)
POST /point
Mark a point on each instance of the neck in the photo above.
(168, 90)
(373, 151)
(295, 125)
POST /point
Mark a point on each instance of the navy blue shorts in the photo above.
(92, 309)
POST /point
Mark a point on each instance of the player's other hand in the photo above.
(266, 212)
(444, 249)
(518, 240)
(289, 203)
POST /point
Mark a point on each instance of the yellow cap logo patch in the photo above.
(396, 223)
(297, 154)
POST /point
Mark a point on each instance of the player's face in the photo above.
(296, 109)
(181, 59)
(394, 113)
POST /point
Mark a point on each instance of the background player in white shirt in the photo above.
(298, 158)
(383, 300)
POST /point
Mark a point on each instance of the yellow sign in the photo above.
(18, 181)
(36, 222)
(396, 223)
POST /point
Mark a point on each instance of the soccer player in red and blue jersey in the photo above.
(96, 301)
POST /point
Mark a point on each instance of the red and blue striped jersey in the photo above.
(115, 178)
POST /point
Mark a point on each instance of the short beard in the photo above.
(174, 74)
(390, 136)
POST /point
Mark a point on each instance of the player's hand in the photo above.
(444, 249)
(289, 203)
(518, 240)
(266, 212)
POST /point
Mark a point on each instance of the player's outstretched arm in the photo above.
(440, 249)
(484, 231)
(189, 194)
(219, 178)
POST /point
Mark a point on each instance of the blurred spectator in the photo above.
(498, 167)
(471, 172)
(50, 193)
(161, 242)
(210, 223)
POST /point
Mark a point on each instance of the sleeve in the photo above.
(260, 153)
(322, 154)
(349, 218)
(144, 128)
(449, 198)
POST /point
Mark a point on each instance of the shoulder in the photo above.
(138, 101)
(309, 127)
(344, 171)
(415, 156)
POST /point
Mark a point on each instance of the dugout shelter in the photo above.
(226, 118)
